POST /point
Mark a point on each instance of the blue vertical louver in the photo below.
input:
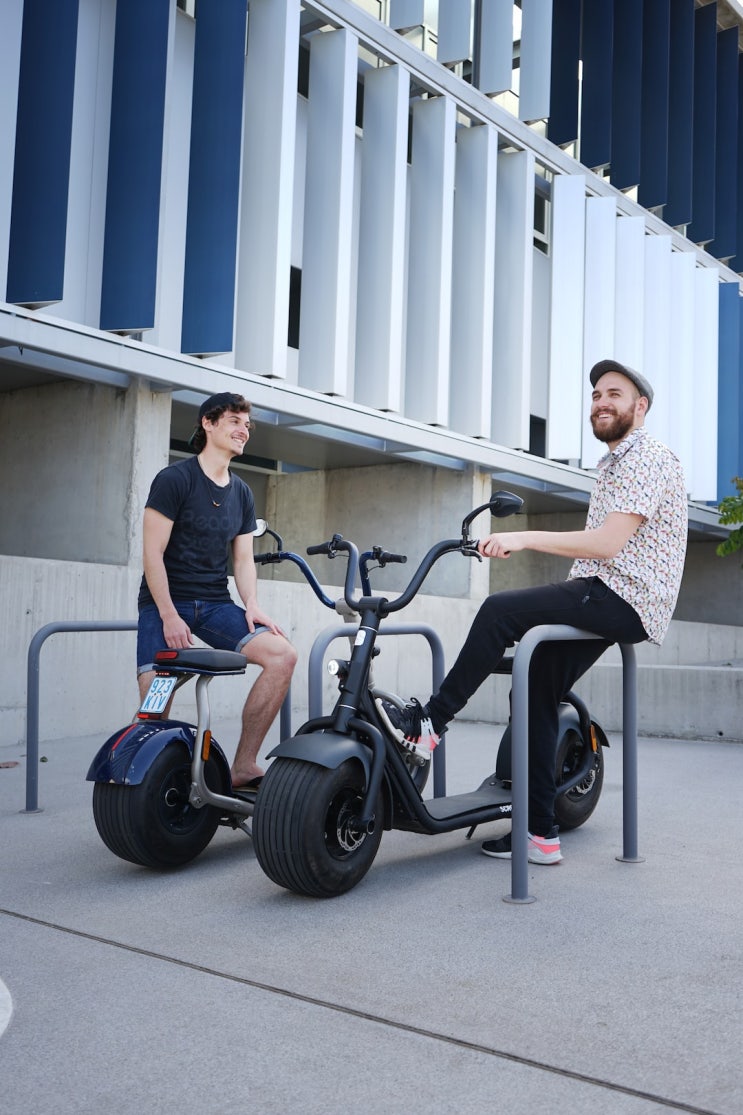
(729, 376)
(702, 227)
(135, 165)
(626, 94)
(214, 177)
(726, 174)
(38, 222)
(597, 33)
(677, 209)
(737, 263)
(656, 37)
(562, 125)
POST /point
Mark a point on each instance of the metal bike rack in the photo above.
(32, 697)
(520, 751)
(315, 675)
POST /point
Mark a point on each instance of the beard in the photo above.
(616, 429)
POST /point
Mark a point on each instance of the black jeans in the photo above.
(503, 619)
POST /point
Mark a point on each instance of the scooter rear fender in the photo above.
(128, 754)
(325, 749)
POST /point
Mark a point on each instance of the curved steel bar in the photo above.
(32, 696)
(314, 678)
(520, 749)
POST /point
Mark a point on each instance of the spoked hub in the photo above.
(571, 763)
(343, 833)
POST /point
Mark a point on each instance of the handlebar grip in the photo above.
(386, 558)
(323, 548)
(266, 559)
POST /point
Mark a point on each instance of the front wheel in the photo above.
(306, 833)
(153, 823)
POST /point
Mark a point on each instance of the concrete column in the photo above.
(76, 461)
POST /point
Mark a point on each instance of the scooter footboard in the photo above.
(127, 755)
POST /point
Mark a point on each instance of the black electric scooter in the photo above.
(334, 787)
(163, 786)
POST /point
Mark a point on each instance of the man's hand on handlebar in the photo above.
(500, 545)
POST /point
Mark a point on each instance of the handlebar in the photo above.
(500, 504)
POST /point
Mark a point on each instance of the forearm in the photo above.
(603, 542)
(246, 582)
(569, 543)
(157, 582)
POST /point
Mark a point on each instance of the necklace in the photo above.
(214, 487)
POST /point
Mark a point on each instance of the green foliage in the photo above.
(731, 511)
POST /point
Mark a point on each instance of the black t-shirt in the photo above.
(206, 519)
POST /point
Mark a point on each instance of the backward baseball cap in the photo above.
(223, 399)
(604, 366)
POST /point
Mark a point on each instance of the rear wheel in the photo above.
(574, 806)
(153, 823)
(306, 832)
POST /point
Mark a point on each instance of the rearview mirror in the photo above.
(261, 526)
(500, 504)
(505, 503)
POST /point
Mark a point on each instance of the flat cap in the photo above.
(604, 366)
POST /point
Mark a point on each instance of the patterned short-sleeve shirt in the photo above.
(641, 476)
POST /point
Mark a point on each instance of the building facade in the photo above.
(405, 230)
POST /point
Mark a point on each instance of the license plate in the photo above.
(158, 695)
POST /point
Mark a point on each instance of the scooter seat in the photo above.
(201, 661)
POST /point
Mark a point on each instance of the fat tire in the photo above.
(139, 824)
(300, 812)
(574, 807)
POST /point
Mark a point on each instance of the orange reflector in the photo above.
(205, 745)
(594, 740)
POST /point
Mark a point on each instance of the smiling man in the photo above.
(197, 514)
(623, 587)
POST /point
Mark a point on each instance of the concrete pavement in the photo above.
(618, 990)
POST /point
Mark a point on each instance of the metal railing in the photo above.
(520, 751)
(315, 678)
(33, 690)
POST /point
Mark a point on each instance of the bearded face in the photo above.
(611, 423)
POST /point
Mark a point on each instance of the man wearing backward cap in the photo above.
(623, 586)
(197, 515)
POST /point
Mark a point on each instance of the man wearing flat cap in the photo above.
(623, 586)
(197, 515)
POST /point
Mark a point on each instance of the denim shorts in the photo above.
(220, 624)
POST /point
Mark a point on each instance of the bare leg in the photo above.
(144, 681)
(277, 658)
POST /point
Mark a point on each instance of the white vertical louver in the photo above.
(269, 161)
(328, 214)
